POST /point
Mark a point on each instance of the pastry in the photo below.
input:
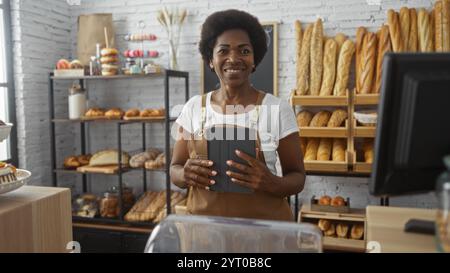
(114, 113)
(320, 119)
(325, 200)
(303, 80)
(152, 113)
(138, 161)
(303, 142)
(304, 118)
(368, 63)
(413, 32)
(71, 162)
(425, 32)
(324, 150)
(108, 157)
(337, 118)
(395, 31)
(311, 148)
(329, 68)
(337, 201)
(131, 113)
(338, 151)
(357, 232)
(316, 58)
(109, 59)
(405, 25)
(109, 52)
(343, 68)
(368, 150)
(331, 231)
(342, 230)
(384, 46)
(438, 27)
(298, 40)
(360, 33)
(324, 224)
(7, 173)
(95, 112)
(84, 159)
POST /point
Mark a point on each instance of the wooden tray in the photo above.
(98, 118)
(326, 166)
(110, 169)
(322, 208)
(362, 167)
(145, 118)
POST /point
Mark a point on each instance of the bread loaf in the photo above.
(342, 230)
(305, 56)
(331, 232)
(357, 232)
(138, 161)
(360, 33)
(425, 33)
(446, 25)
(316, 58)
(395, 31)
(337, 118)
(304, 118)
(324, 224)
(324, 151)
(343, 70)
(368, 63)
(329, 68)
(298, 40)
(320, 119)
(108, 157)
(413, 32)
(438, 26)
(384, 46)
(405, 25)
(311, 148)
(338, 152)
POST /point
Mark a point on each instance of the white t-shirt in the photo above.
(276, 121)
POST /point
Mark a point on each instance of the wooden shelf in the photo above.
(319, 100)
(362, 131)
(325, 166)
(355, 215)
(321, 132)
(361, 167)
(60, 120)
(343, 244)
(366, 99)
(124, 170)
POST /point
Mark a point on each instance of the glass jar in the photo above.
(77, 102)
(443, 213)
(109, 205)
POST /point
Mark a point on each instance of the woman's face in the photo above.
(233, 59)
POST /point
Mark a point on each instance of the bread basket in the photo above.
(5, 130)
(366, 118)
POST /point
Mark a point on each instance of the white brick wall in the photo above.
(55, 34)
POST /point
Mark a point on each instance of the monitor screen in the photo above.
(413, 130)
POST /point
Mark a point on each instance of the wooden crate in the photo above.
(315, 206)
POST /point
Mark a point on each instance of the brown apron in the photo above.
(256, 205)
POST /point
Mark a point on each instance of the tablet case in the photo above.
(222, 143)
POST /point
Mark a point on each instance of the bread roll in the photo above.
(384, 46)
(311, 148)
(305, 55)
(413, 31)
(316, 58)
(324, 224)
(324, 151)
(329, 68)
(405, 25)
(368, 63)
(340, 39)
(342, 230)
(304, 118)
(343, 70)
(337, 201)
(338, 152)
(337, 118)
(395, 31)
(325, 200)
(425, 33)
(330, 231)
(320, 119)
(446, 25)
(303, 142)
(360, 33)
(357, 232)
(368, 150)
(298, 40)
(438, 26)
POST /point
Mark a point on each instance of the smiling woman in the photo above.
(233, 43)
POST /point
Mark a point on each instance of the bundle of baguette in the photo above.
(341, 229)
(323, 65)
(149, 206)
(324, 149)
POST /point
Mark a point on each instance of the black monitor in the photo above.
(413, 130)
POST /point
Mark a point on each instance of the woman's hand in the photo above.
(255, 176)
(197, 173)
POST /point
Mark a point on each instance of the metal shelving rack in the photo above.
(166, 74)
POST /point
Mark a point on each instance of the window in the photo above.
(8, 148)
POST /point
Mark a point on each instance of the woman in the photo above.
(233, 43)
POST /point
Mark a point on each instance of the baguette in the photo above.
(368, 63)
(337, 118)
(316, 58)
(368, 150)
(395, 31)
(438, 27)
(384, 46)
(312, 147)
(324, 150)
(340, 39)
(343, 70)
(413, 32)
(338, 153)
(360, 33)
(329, 68)
(298, 40)
(425, 33)
(303, 80)
(320, 119)
(303, 142)
(304, 118)
(446, 25)
(405, 25)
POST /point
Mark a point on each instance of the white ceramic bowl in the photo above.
(366, 118)
(5, 130)
(22, 177)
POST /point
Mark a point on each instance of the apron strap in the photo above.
(203, 115)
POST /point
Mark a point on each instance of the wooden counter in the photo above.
(35, 219)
